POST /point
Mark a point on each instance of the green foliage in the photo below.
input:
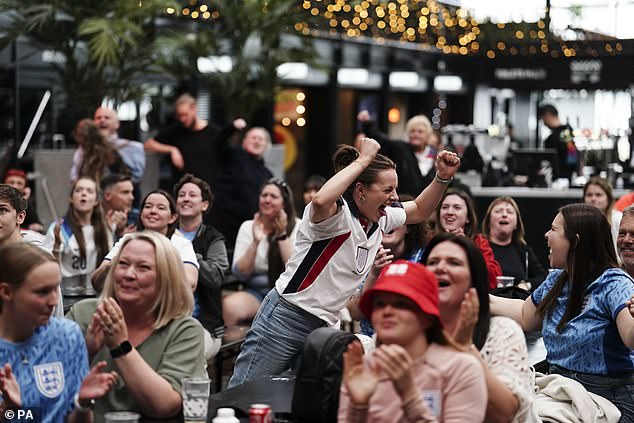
(251, 32)
(105, 44)
(109, 44)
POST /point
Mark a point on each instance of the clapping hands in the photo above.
(469, 312)
(9, 388)
(361, 380)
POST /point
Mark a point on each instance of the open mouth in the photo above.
(443, 283)
(382, 211)
(503, 222)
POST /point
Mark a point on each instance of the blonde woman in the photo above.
(142, 326)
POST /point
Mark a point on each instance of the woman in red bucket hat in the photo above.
(416, 373)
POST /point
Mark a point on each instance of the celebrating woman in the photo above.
(415, 374)
(337, 240)
(80, 240)
(456, 214)
(263, 247)
(43, 358)
(504, 228)
(582, 308)
(497, 342)
(142, 326)
(242, 173)
(159, 214)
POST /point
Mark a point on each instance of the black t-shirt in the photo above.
(239, 182)
(511, 260)
(560, 139)
(199, 150)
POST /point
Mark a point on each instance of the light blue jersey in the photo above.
(589, 343)
(49, 367)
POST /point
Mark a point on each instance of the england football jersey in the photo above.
(75, 271)
(590, 342)
(49, 367)
(332, 257)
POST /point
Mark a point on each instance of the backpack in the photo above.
(316, 394)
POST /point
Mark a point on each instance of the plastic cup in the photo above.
(195, 399)
(504, 281)
(121, 417)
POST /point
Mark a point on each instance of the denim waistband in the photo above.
(620, 379)
(297, 309)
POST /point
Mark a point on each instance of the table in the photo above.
(276, 391)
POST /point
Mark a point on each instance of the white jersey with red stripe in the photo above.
(332, 257)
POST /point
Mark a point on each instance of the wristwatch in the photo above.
(123, 348)
(281, 237)
(81, 408)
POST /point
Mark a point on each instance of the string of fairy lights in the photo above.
(427, 23)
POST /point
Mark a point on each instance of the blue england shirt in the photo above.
(49, 367)
(589, 343)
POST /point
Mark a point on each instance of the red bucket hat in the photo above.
(411, 280)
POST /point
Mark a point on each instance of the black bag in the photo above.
(316, 395)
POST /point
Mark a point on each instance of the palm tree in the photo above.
(258, 35)
(105, 45)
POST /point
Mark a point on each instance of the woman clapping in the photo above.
(141, 326)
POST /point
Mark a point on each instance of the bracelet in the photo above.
(281, 237)
(443, 181)
(81, 408)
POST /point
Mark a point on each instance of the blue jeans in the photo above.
(275, 340)
(618, 390)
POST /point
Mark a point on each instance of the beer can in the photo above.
(260, 413)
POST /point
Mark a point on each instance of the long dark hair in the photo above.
(471, 226)
(346, 154)
(479, 279)
(276, 265)
(97, 221)
(591, 253)
(98, 155)
(171, 227)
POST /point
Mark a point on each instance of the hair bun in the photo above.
(344, 155)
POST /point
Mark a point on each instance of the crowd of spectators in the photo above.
(126, 294)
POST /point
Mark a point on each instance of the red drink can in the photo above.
(260, 413)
